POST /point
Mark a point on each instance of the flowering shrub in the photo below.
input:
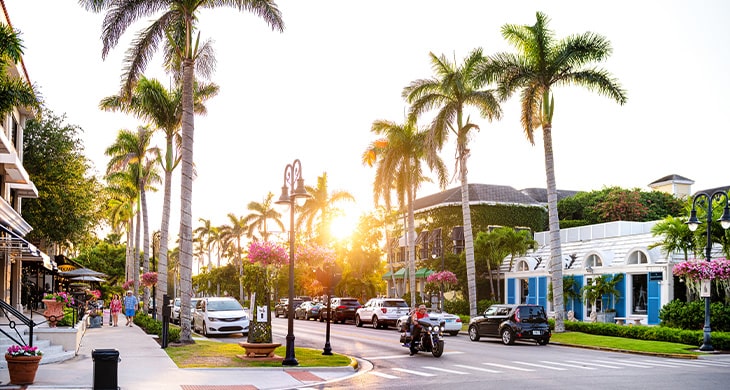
(128, 284)
(693, 271)
(96, 294)
(23, 350)
(267, 253)
(149, 279)
(314, 254)
(445, 277)
(62, 296)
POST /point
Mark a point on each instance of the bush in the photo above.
(691, 315)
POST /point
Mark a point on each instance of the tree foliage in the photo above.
(68, 207)
(108, 255)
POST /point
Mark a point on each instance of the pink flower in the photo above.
(314, 254)
(128, 284)
(23, 350)
(267, 253)
(149, 279)
(697, 269)
(445, 277)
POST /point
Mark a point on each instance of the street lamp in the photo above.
(292, 176)
(693, 223)
(436, 250)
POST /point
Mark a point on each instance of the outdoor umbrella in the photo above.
(82, 272)
(88, 279)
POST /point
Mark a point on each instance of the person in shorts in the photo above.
(130, 307)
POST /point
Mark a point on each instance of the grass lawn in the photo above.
(205, 354)
(661, 347)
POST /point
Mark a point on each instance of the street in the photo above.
(489, 363)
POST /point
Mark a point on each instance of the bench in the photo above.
(620, 320)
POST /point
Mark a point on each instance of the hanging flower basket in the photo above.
(696, 270)
(149, 279)
(444, 277)
(314, 254)
(267, 253)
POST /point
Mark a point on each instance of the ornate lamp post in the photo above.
(292, 176)
(693, 223)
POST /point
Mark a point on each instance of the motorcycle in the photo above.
(429, 340)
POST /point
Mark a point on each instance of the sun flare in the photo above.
(344, 225)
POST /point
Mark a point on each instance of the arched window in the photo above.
(522, 266)
(637, 257)
(593, 260)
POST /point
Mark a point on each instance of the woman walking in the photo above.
(115, 306)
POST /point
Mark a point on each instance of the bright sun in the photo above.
(344, 225)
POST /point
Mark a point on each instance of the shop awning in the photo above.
(387, 275)
(423, 273)
(25, 250)
(401, 273)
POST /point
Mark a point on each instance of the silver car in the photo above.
(175, 317)
(220, 315)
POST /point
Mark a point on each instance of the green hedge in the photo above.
(152, 326)
(720, 340)
(691, 315)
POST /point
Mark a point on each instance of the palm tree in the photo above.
(489, 246)
(175, 26)
(14, 91)
(320, 209)
(399, 159)
(676, 236)
(453, 89)
(541, 63)
(233, 234)
(258, 218)
(123, 195)
(516, 243)
(132, 151)
(204, 233)
(151, 101)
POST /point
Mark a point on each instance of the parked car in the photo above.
(511, 322)
(175, 316)
(220, 315)
(452, 322)
(343, 309)
(381, 312)
(282, 308)
(308, 310)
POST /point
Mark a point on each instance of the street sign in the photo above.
(705, 288)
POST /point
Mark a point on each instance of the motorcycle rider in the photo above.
(416, 327)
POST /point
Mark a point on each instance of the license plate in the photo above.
(449, 320)
(536, 332)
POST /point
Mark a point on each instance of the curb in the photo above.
(670, 355)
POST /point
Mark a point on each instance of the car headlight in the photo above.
(212, 319)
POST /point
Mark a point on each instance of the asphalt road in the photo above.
(490, 364)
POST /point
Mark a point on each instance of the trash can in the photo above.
(105, 369)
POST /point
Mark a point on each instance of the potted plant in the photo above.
(22, 363)
(55, 302)
(600, 288)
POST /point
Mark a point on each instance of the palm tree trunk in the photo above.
(135, 266)
(556, 257)
(491, 279)
(468, 237)
(146, 240)
(162, 270)
(411, 240)
(186, 195)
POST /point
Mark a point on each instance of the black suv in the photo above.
(343, 309)
(511, 322)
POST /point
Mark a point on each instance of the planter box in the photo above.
(609, 317)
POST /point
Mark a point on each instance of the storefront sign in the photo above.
(655, 276)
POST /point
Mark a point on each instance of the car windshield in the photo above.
(226, 305)
(395, 304)
(532, 313)
(349, 302)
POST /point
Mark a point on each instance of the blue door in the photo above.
(511, 291)
(653, 301)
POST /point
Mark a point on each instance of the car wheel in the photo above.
(376, 324)
(205, 330)
(358, 322)
(454, 333)
(507, 337)
(473, 333)
(543, 341)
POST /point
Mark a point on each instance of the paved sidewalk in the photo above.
(144, 365)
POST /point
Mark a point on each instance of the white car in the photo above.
(220, 315)
(381, 312)
(452, 323)
(175, 317)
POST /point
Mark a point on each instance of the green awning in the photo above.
(423, 273)
(387, 275)
(401, 273)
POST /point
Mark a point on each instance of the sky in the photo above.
(313, 92)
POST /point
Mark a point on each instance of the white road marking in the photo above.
(413, 372)
(540, 366)
(592, 364)
(508, 367)
(478, 369)
(569, 365)
(383, 375)
(446, 370)
(628, 363)
(403, 356)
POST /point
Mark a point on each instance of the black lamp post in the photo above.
(327, 350)
(292, 176)
(693, 223)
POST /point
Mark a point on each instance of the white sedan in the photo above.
(452, 322)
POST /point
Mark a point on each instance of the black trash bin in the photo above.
(105, 369)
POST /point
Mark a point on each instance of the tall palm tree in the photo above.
(175, 26)
(205, 235)
(319, 210)
(516, 243)
(260, 214)
(151, 101)
(233, 234)
(399, 158)
(132, 151)
(14, 91)
(450, 92)
(123, 196)
(541, 63)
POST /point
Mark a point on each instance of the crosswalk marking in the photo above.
(540, 366)
(672, 364)
(508, 367)
(569, 365)
(592, 364)
(413, 372)
(478, 369)
(627, 364)
(446, 370)
(383, 375)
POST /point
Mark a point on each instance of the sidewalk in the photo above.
(144, 365)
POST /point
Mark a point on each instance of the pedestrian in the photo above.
(130, 307)
(115, 306)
